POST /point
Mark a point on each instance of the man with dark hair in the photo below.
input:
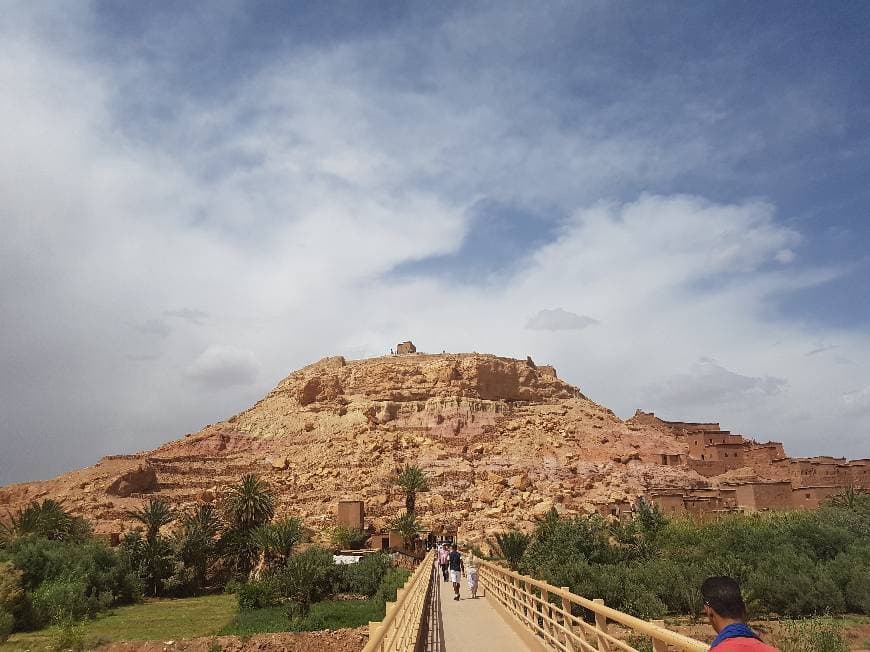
(443, 559)
(724, 607)
(457, 568)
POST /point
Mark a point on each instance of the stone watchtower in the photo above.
(405, 347)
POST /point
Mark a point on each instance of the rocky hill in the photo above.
(502, 440)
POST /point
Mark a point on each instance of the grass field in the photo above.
(329, 614)
(150, 620)
(204, 616)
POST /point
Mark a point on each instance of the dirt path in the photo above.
(339, 640)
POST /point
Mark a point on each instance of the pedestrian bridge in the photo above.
(513, 613)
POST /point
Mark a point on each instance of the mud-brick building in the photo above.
(722, 446)
(858, 472)
(664, 458)
(680, 429)
(812, 497)
(404, 348)
(761, 454)
(813, 471)
(761, 496)
(351, 514)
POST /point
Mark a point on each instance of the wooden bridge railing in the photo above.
(404, 623)
(555, 616)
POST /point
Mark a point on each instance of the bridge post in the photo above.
(546, 614)
(601, 626)
(568, 620)
(374, 626)
(659, 646)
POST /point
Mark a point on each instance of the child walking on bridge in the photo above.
(471, 574)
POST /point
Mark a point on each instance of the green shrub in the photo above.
(788, 582)
(61, 577)
(306, 578)
(640, 643)
(512, 546)
(67, 599)
(100, 567)
(365, 577)
(792, 564)
(345, 538)
(258, 595)
(850, 571)
(70, 637)
(13, 599)
(558, 541)
(394, 580)
(7, 622)
(817, 635)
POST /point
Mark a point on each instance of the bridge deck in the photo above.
(471, 625)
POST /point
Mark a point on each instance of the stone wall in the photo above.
(757, 496)
(707, 468)
(812, 497)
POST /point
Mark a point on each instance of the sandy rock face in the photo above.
(142, 479)
(502, 441)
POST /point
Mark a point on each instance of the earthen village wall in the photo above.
(774, 482)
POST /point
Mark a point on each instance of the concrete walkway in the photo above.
(471, 625)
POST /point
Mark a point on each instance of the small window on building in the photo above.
(808, 495)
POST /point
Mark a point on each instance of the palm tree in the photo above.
(195, 540)
(512, 546)
(46, 519)
(150, 558)
(407, 526)
(250, 503)
(153, 516)
(412, 479)
(277, 540)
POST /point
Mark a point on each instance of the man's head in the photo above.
(455, 547)
(723, 603)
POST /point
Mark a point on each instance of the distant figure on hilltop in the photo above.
(726, 611)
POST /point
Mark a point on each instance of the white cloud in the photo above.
(558, 319)
(219, 367)
(154, 328)
(857, 403)
(710, 385)
(785, 256)
(190, 315)
(271, 218)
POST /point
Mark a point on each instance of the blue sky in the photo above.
(670, 203)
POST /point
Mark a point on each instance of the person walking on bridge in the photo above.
(457, 569)
(471, 574)
(444, 559)
(726, 611)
